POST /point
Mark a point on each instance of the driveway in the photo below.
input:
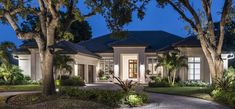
(163, 101)
(2, 94)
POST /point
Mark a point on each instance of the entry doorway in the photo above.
(90, 73)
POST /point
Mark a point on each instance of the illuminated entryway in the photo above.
(129, 67)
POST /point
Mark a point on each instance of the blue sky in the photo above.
(156, 19)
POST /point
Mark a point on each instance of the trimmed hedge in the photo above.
(108, 97)
(111, 98)
(72, 81)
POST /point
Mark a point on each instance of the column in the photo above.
(86, 73)
(75, 69)
(142, 67)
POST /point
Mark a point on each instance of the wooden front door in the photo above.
(90, 73)
(132, 68)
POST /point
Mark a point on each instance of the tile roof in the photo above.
(191, 41)
(72, 48)
(153, 40)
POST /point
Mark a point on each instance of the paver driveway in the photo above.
(163, 101)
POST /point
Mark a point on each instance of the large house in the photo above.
(128, 58)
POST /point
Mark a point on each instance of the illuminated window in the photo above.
(194, 67)
(106, 65)
(152, 62)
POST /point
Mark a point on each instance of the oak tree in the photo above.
(205, 31)
(46, 18)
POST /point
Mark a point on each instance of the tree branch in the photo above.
(50, 7)
(183, 15)
(21, 35)
(42, 17)
(13, 12)
(207, 8)
(201, 34)
(226, 9)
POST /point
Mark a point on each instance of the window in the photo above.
(132, 68)
(152, 62)
(194, 67)
(106, 65)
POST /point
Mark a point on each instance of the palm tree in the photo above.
(171, 62)
(5, 49)
(178, 62)
(164, 60)
(61, 64)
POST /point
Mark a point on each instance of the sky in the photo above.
(156, 18)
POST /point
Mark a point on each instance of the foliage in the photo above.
(227, 81)
(171, 61)
(61, 64)
(101, 73)
(108, 97)
(5, 51)
(72, 81)
(192, 83)
(118, 13)
(157, 81)
(127, 85)
(223, 96)
(134, 100)
(11, 74)
(81, 31)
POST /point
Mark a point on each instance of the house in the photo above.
(127, 58)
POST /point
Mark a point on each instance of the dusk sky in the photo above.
(156, 19)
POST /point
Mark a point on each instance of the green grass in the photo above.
(12, 88)
(197, 92)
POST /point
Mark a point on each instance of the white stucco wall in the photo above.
(24, 62)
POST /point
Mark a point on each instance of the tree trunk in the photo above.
(47, 71)
(173, 79)
(216, 68)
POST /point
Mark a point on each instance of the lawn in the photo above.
(12, 88)
(197, 92)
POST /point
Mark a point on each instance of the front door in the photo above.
(132, 68)
(90, 73)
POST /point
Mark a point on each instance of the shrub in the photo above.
(134, 100)
(72, 81)
(108, 97)
(127, 85)
(227, 82)
(193, 83)
(101, 73)
(158, 82)
(227, 97)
